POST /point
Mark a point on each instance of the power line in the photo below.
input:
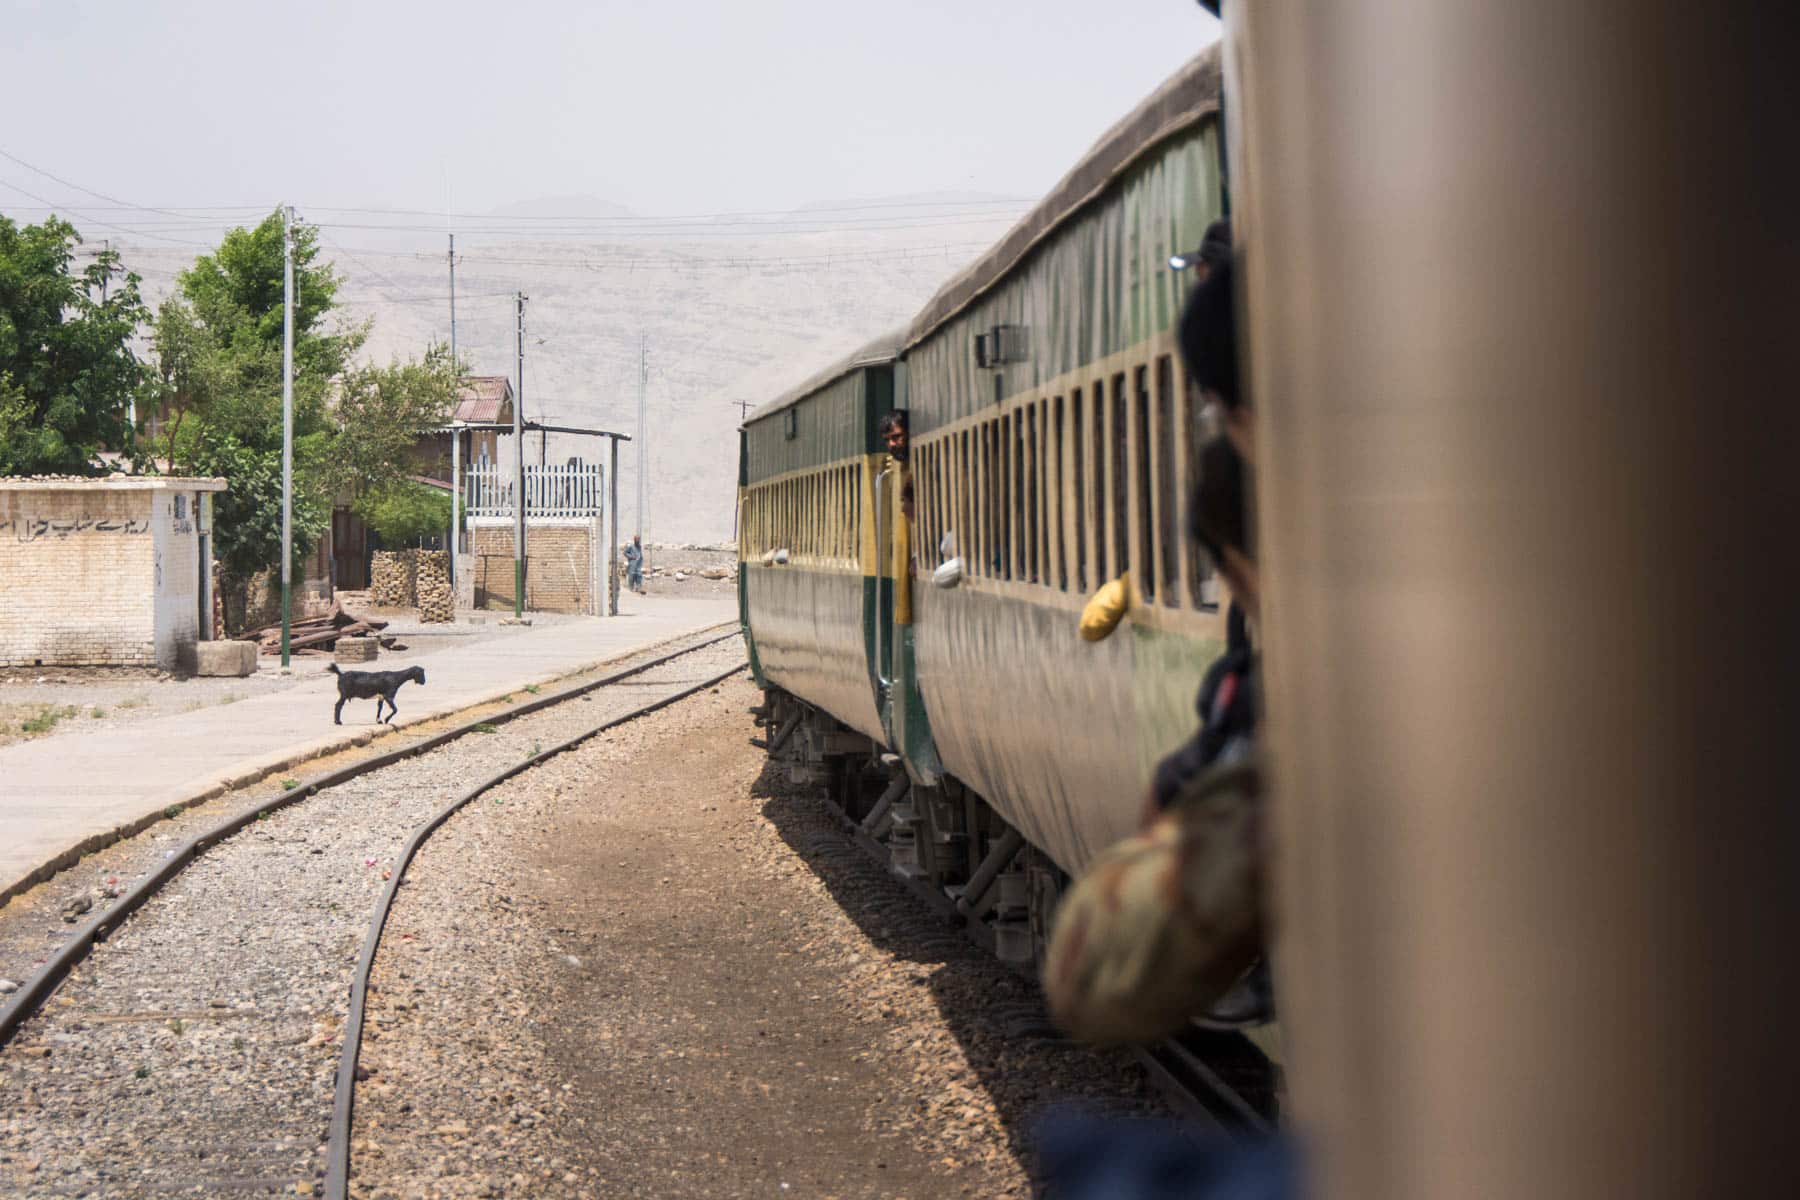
(93, 220)
(90, 191)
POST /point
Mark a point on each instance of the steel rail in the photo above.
(36, 991)
(337, 1157)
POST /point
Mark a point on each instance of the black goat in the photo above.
(360, 685)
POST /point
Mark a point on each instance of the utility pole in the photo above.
(287, 427)
(453, 298)
(612, 567)
(455, 434)
(743, 409)
(519, 473)
(643, 443)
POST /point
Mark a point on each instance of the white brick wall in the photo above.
(96, 576)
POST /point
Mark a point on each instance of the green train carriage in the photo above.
(1054, 442)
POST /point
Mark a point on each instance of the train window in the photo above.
(1169, 493)
(1103, 567)
(1146, 496)
(1009, 523)
(1033, 567)
(984, 501)
(1121, 484)
(943, 456)
(1046, 472)
(924, 511)
(946, 495)
(960, 493)
(933, 514)
(1194, 433)
(1077, 497)
(1056, 492)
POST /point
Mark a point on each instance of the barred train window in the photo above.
(986, 560)
(1121, 497)
(1103, 565)
(937, 502)
(1146, 496)
(1030, 495)
(1007, 521)
(964, 489)
(1077, 497)
(1047, 565)
(1170, 497)
(1062, 473)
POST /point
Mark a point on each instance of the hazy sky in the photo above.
(666, 108)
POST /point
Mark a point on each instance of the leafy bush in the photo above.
(402, 512)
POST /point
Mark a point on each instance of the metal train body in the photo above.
(1053, 435)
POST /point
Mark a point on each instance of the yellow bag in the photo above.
(1106, 608)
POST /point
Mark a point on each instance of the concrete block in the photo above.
(357, 649)
(231, 659)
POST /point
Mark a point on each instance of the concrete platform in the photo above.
(65, 796)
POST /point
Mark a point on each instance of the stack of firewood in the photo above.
(437, 602)
(392, 578)
(316, 633)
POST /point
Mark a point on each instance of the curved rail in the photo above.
(35, 991)
(337, 1157)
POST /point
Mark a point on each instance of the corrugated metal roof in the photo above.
(1190, 96)
(484, 398)
(884, 349)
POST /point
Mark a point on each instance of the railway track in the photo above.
(203, 1030)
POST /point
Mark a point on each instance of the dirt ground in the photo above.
(652, 968)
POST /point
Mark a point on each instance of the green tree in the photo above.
(402, 511)
(380, 413)
(67, 373)
(218, 349)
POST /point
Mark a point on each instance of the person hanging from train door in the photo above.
(1166, 924)
(896, 438)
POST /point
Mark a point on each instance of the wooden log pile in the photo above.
(437, 601)
(393, 578)
(317, 634)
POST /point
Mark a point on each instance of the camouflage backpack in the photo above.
(1163, 923)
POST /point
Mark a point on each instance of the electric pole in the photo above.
(455, 434)
(287, 426)
(643, 443)
(519, 472)
(743, 409)
(453, 298)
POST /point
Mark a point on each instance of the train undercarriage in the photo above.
(958, 855)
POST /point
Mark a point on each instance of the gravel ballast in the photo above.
(195, 1049)
(651, 968)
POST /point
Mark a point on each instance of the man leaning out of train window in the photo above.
(1167, 925)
